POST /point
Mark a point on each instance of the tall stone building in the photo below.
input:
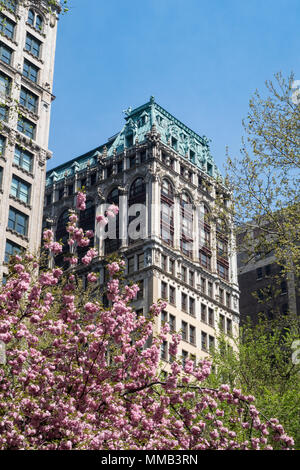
(27, 48)
(264, 289)
(162, 176)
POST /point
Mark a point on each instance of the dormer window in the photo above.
(192, 156)
(142, 120)
(129, 140)
(174, 143)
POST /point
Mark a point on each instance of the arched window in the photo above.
(38, 22)
(204, 231)
(137, 195)
(137, 190)
(31, 17)
(167, 212)
(113, 244)
(186, 225)
(35, 20)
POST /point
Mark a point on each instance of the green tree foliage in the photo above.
(265, 178)
(264, 363)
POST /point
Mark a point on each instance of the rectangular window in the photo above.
(183, 273)
(174, 143)
(20, 189)
(203, 285)
(2, 145)
(18, 221)
(192, 306)
(259, 273)
(28, 100)
(229, 326)
(131, 265)
(140, 261)
(1, 176)
(228, 300)
(192, 334)
(143, 157)
(184, 356)
(140, 294)
(222, 322)
(11, 249)
(164, 351)
(284, 288)
(30, 71)
(48, 199)
(164, 290)
(203, 313)
(132, 161)
(183, 302)
(172, 266)
(211, 320)
(205, 260)
(211, 341)
(192, 277)
(184, 330)
(93, 178)
(9, 4)
(172, 295)
(109, 171)
(3, 112)
(70, 189)
(223, 270)
(164, 316)
(33, 45)
(221, 295)
(26, 127)
(61, 193)
(5, 54)
(5, 84)
(210, 289)
(120, 166)
(204, 341)
(7, 27)
(268, 270)
(164, 263)
(172, 323)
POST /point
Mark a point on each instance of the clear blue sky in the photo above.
(201, 60)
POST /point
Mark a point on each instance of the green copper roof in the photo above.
(138, 123)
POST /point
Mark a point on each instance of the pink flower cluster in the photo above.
(80, 375)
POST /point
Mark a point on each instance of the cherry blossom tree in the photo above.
(79, 375)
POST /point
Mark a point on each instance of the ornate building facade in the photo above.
(27, 49)
(162, 176)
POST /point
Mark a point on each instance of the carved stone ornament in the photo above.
(42, 158)
(122, 190)
(12, 137)
(100, 195)
(148, 257)
(153, 136)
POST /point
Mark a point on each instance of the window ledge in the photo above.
(14, 232)
(28, 113)
(33, 56)
(28, 173)
(35, 30)
(25, 204)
